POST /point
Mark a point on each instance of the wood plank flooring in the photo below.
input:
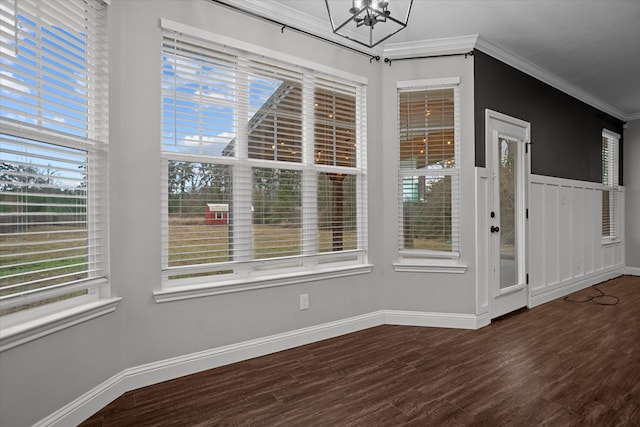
(562, 364)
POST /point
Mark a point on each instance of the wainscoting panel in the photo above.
(566, 248)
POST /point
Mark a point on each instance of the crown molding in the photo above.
(453, 45)
(444, 46)
(463, 44)
(631, 117)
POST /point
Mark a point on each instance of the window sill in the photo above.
(241, 285)
(24, 332)
(430, 266)
(610, 242)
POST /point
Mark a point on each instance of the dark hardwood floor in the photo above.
(562, 364)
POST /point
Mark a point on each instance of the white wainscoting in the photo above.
(566, 252)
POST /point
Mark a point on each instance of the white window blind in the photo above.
(611, 193)
(429, 161)
(263, 164)
(53, 144)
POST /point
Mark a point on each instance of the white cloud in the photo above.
(213, 95)
(196, 140)
(8, 80)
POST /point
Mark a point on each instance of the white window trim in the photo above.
(258, 274)
(614, 187)
(22, 327)
(170, 25)
(240, 285)
(615, 240)
(431, 266)
(430, 261)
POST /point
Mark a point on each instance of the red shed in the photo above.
(216, 214)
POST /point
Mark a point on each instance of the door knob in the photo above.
(494, 229)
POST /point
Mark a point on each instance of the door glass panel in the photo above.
(508, 177)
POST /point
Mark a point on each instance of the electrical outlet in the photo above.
(304, 301)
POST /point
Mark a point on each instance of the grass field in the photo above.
(44, 256)
(44, 251)
(194, 242)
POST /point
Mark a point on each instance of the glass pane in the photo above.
(198, 109)
(508, 200)
(277, 213)
(426, 213)
(45, 79)
(335, 128)
(275, 114)
(426, 129)
(337, 207)
(43, 206)
(200, 213)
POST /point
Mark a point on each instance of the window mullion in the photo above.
(455, 179)
(240, 241)
(361, 165)
(309, 177)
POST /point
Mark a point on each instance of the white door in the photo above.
(507, 145)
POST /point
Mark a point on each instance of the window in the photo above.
(610, 193)
(280, 146)
(429, 162)
(53, 147)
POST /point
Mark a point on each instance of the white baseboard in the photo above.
(152, 373)
(633, 271)
(435, 320)
(576, 285)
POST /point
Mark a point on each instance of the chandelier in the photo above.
(365, 15)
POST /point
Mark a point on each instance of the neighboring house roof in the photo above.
(266, 110)
(218, 207)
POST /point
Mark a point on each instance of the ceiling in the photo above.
(589, 46)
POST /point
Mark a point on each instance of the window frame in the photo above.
(428, 260)
(610, 184)
(310, 265)
(38, 130)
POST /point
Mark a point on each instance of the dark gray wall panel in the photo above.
(566, 133)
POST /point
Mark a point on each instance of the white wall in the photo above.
(631, 159)
(428, 292)
(44, 375)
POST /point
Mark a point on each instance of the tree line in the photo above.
(29, 189)
(276, 193)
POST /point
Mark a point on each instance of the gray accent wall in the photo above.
(566, 133)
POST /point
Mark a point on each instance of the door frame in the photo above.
(495, 306)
